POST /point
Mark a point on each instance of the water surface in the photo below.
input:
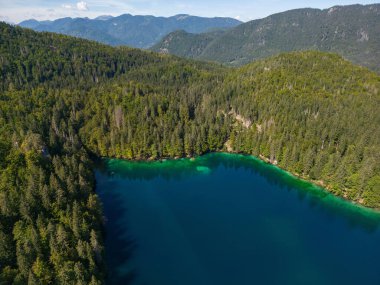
(225, 219)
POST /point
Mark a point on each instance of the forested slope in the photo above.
(50, 218)
(313, 114)
(64, 101)
(351, 31)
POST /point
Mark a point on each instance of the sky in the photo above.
(15, 11)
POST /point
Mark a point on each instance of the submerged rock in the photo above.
(203, 169)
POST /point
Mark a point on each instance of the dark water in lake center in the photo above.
(225, 219)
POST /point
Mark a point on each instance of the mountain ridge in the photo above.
(351, 31)
(141, 31)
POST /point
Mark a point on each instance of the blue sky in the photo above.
(16, 10)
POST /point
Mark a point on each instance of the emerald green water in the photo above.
(228, 219)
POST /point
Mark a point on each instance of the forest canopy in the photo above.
(65, 101)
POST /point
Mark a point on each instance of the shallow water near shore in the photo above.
(231, 219)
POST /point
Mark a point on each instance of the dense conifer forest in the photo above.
(351, 31)
(66, 101)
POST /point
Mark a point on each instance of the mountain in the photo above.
(351, 31)
(134, 31)
(66, 102)
(104, 17)
(184, 44)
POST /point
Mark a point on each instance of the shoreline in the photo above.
(318, 183)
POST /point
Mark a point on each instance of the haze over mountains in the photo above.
(134, 31)
(351, 31)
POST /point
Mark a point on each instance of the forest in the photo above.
(351, 31)
(64, 102)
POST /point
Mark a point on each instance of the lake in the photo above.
(225, 219)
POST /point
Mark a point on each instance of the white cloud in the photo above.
(5, 19)
(67, 6)
(237, 17)
(82, 6)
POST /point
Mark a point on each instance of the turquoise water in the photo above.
(224, 219)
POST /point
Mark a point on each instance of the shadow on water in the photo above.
(120, 246)
(314, 196)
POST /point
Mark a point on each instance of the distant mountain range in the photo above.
(351, 31)
(134, 31)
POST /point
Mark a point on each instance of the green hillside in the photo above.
(313, 114)
(51, 222)
(65, 102)
(351, 31)
(185, 44)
